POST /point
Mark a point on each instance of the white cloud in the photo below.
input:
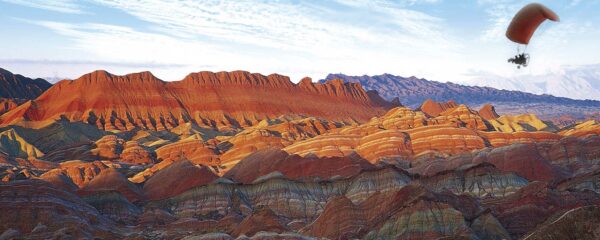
(274, 24)
(64, 6)
(295, 39)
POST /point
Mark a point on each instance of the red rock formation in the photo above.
(433, 108)
(444, 139)
(580, 155)
(387, 144)
(108, 147)
(586, 128)
(460, 116)
(228, 99)
(175, 179)
(27, 205)
(262, 219)
(488, 112)
(59, 179)
(271, 160)
(7, 104)
(81, 172)
(328, 145)
(526, 160)
(523, 211)
(134, 153)
(498, 139)
(111, 180)
(192, 149)
(341, 219)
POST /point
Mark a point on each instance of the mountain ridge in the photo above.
(16, 86)
(220, 99)
(374, 82)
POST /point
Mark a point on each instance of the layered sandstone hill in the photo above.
(404, 134)
(522, 122)
(488, 112)
(433, 108)
(217, 100)
(590, 127)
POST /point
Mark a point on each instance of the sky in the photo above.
(444, 40)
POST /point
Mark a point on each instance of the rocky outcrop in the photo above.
(499, 139)
(137, 154)
(108, 147)
(110, 180)
(330, 145)
(433, 108)
(275, 161)
(488, 112)
(520, 123)
(340, 219)
(13, 145)
(59, 136)
(193, 149)
(175, 179)
(7, 104)
(460, 116)
(591, 127)
(262, 219)
(80, 172)
(445, 140)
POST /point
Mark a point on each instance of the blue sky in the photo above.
(444, 40)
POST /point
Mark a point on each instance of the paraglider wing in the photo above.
(527, 20)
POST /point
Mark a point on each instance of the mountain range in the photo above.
(413, 91)
(578, 82)
(239, 155)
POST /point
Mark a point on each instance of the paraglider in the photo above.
(523, 25)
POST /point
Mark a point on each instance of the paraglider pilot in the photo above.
(524, 24)
(520, 60)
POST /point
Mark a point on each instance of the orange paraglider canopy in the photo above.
(527, 20)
